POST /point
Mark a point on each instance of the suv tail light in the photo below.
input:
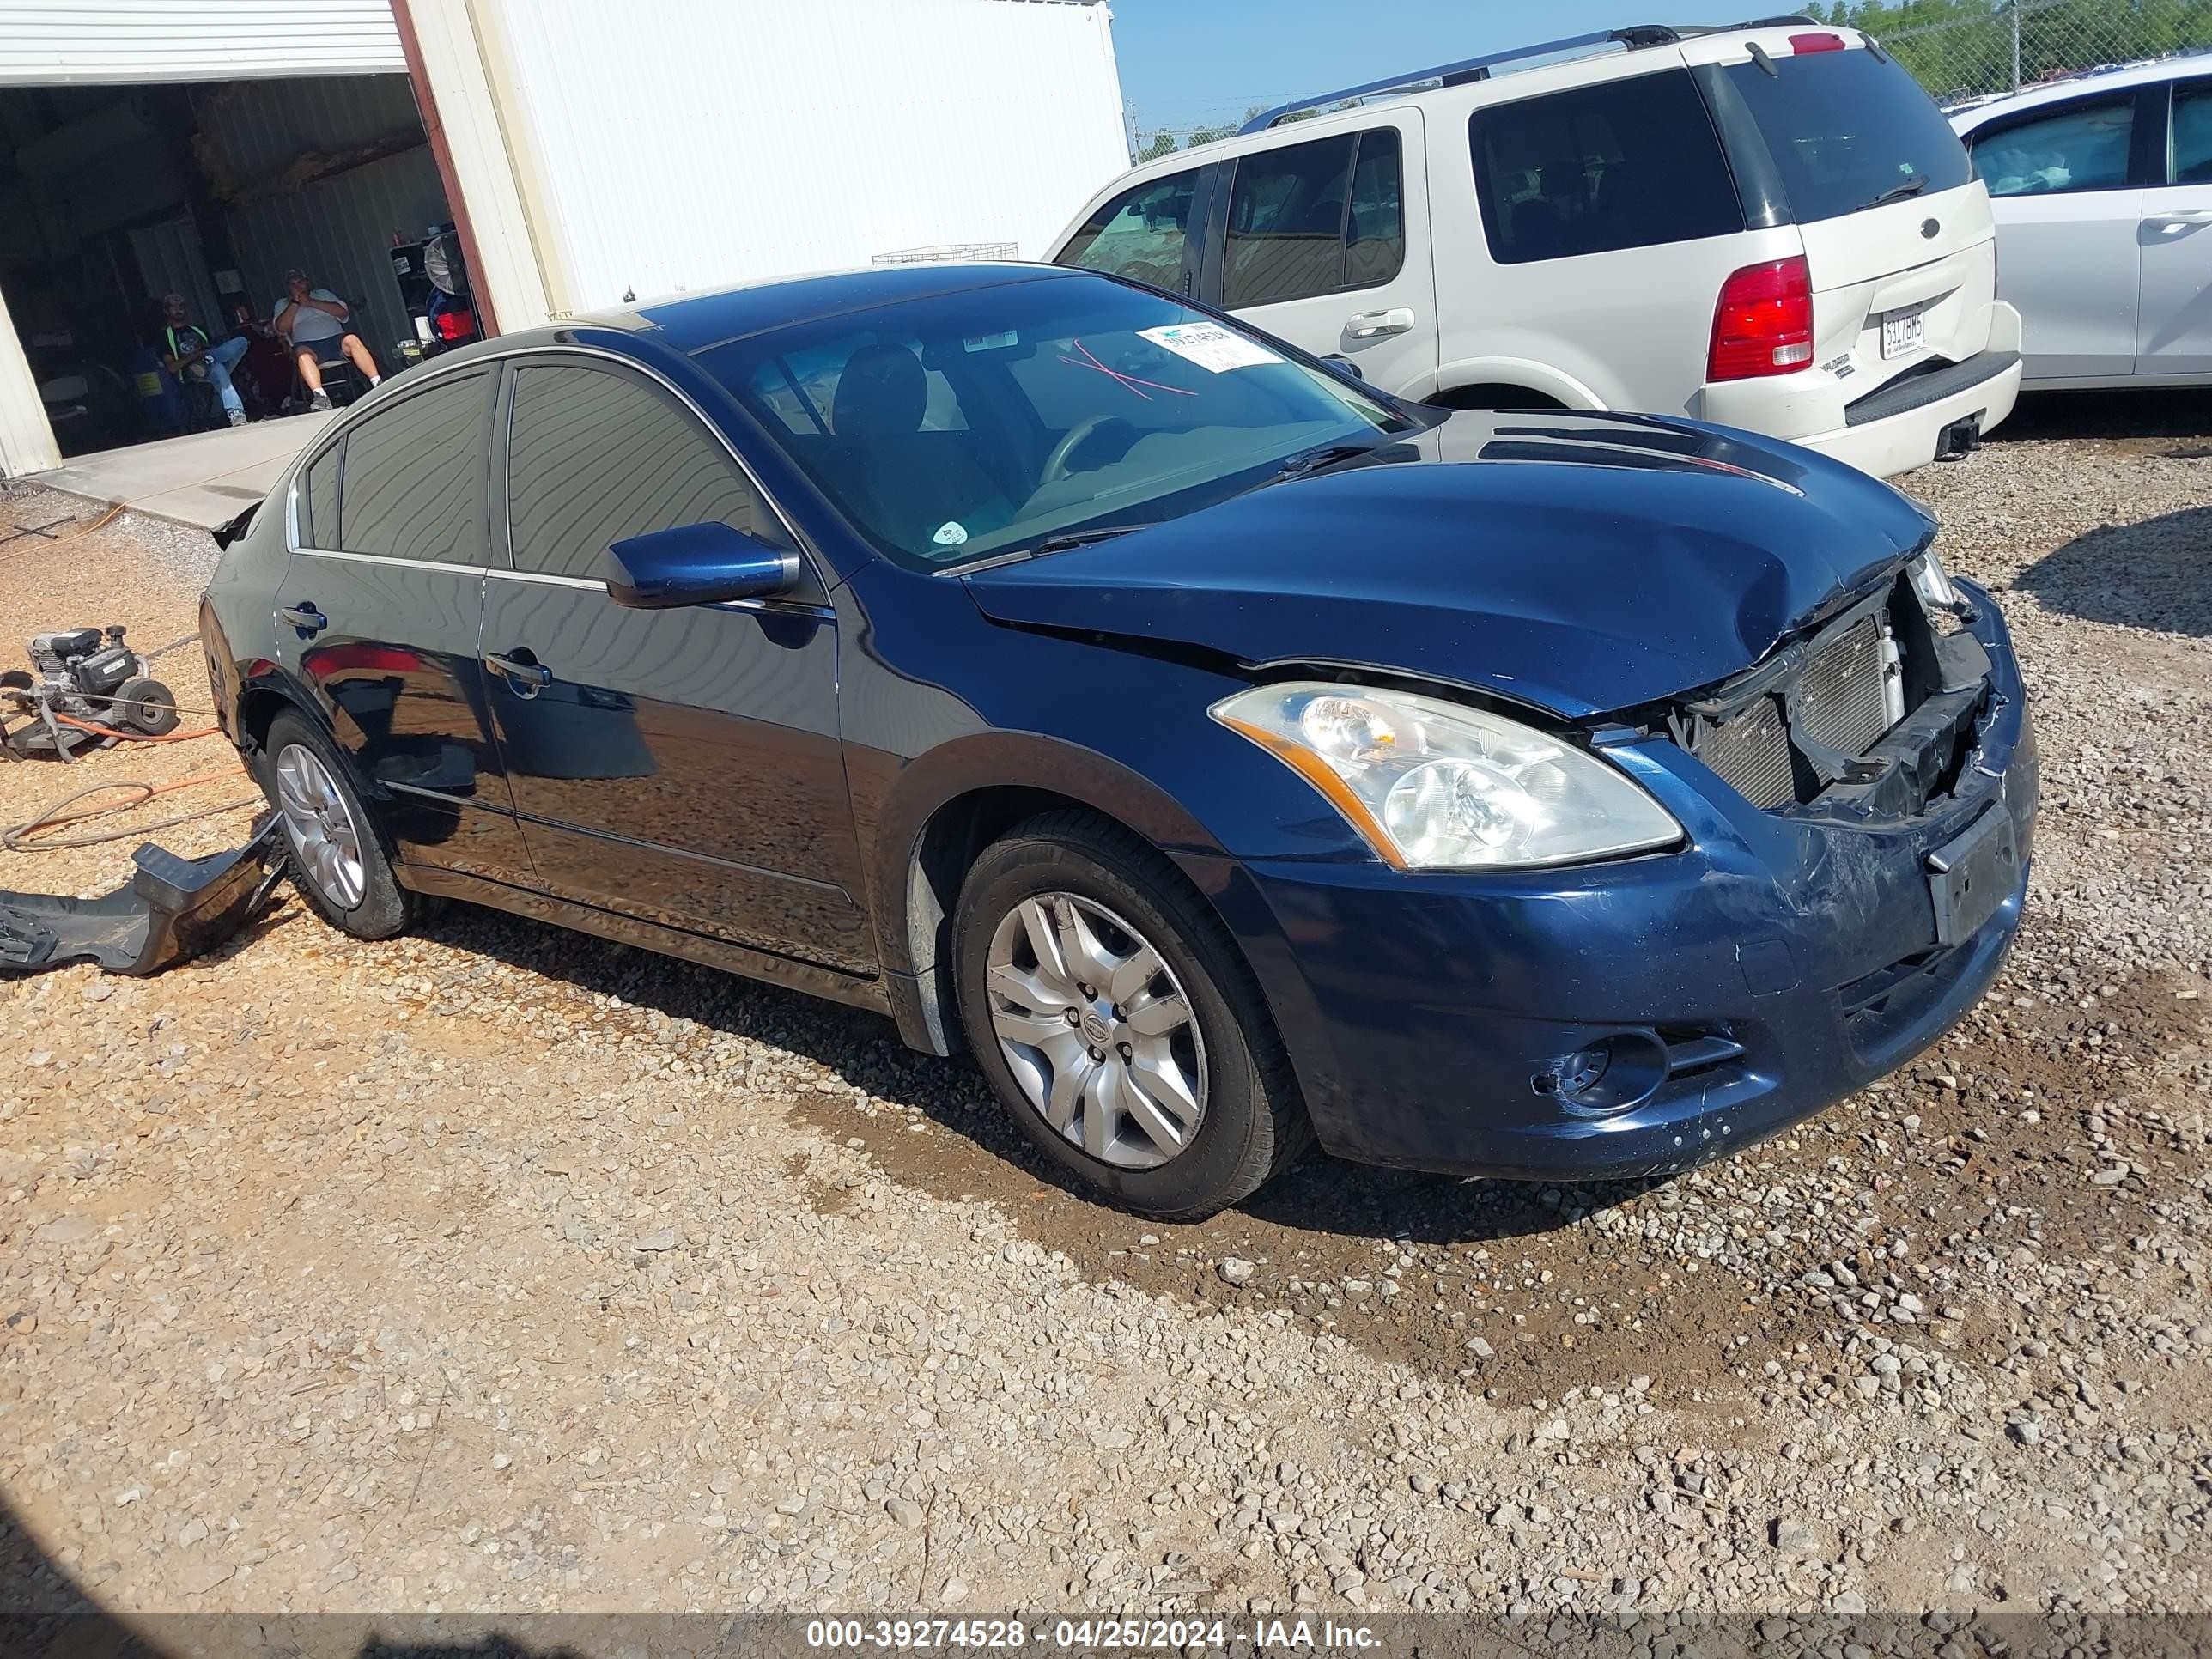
(1763, 323)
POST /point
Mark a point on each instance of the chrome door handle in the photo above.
(526, 678)
(1369, 325)
(304, 617)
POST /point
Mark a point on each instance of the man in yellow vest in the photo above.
(188, 354)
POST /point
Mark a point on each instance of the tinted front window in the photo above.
(2082, 147)
(595, 457)
(414, 476)
(1074, 401)
(1846, 128)
(2192, 133)
(1140, 233)
(1286, 222)
(1628, 163)
(319, 500)
(1315, 218)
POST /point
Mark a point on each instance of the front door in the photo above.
(2174, 331)
(379, 613)
(1321, 246)
(2068, 219)
(681, 766)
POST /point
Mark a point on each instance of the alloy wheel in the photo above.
(1096, 1029)
(319, 825)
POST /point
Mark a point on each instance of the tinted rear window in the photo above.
(1627, 163)
(1847, 127)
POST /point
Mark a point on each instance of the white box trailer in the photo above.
(602, 152)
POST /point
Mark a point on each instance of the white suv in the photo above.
(1770, 227)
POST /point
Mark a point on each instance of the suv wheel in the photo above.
(1117, 1022)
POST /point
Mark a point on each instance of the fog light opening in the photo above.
(1611, 1075)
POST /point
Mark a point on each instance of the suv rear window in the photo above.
(1846, 128)
(1627, 163)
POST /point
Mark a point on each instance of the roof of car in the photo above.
(2053, 92)
(693, 322)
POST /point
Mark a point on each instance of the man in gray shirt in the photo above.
(309, 318)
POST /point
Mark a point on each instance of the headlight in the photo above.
(1933, 583)
(1437, 785)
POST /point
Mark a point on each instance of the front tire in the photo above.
(1117, 1022)
(339, 863)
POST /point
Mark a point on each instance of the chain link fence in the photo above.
(1966, 49)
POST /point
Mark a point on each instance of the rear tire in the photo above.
(1157, 1079)
(340, 863)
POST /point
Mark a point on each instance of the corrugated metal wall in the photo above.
(705, 142)
(338, 230)
(258, 129)
(115, 42)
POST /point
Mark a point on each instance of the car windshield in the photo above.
(1849, 129)
(974, 424)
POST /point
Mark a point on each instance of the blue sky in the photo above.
(1190, 62)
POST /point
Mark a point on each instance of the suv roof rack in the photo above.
(1635, 37)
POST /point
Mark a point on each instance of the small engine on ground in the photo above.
(82, 678)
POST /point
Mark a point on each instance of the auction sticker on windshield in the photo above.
(1212, 347)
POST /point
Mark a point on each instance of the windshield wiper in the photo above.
(1071, 539)
(1911, 186)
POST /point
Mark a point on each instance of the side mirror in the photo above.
(697, 564)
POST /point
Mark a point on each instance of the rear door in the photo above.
(383, 600)
(1326, 243)
(2174, 324)
(1898, 237)
(681, 766)
(2068, 210)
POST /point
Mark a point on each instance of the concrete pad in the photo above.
(200, 479)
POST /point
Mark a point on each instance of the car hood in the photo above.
(1580, 564)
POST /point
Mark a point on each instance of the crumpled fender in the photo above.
(172, 909)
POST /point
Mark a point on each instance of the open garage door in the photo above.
(200, 148)
(57, 43)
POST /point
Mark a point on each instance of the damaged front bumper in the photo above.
(172, 909)
(1631, 1017)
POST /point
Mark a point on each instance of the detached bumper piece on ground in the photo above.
(173, 910)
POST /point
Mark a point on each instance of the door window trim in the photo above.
(428, 376)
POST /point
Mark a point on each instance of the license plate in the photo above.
(1971, 875)
(1901, 332)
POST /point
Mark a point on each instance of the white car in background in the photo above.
(2102, 189)
(1768, 227)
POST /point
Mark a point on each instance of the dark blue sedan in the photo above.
(1225, 754)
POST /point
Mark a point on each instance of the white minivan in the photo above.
(1768, 227)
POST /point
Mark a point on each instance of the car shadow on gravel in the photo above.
(2155, 574)
(986, 1157)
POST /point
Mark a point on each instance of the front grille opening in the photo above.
(1832, 716)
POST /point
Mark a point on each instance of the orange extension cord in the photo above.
(26, 837)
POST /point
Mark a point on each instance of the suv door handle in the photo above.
(1368, 324)
(2180, 217)
(525, 675)
(304, 617)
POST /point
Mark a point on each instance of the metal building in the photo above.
(588, 152)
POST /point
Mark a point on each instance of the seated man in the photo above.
(190, 356)
(308, 317)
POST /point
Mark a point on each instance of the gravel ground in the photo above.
(502, 1270)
